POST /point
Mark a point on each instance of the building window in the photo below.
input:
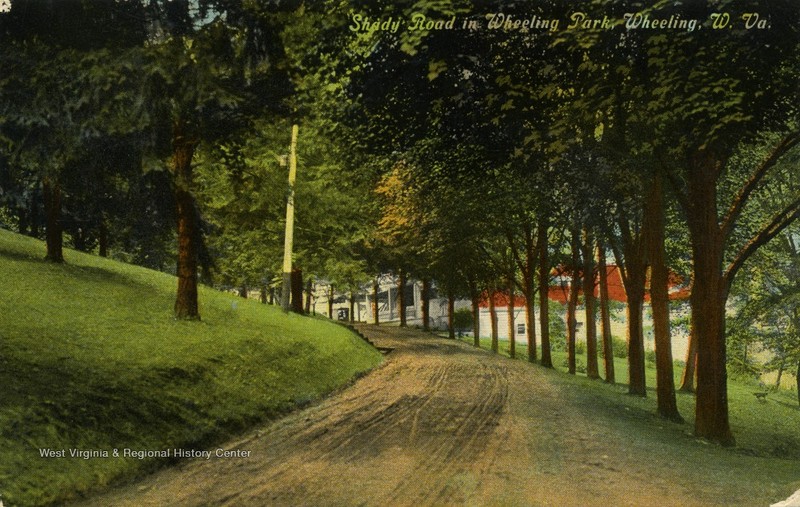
(520, 328)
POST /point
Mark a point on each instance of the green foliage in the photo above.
(436, 152)
(557, 325)
(618, 346)
(462, 319)
(93, 360)
(580, 366)
(241, 189)
(768, 310)
(766, 431)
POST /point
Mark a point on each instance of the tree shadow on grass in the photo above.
(18, 255)
(790, 406)
(96, 274)
(57, 402)
(81, 272)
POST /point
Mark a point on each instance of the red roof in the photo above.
(560, 292)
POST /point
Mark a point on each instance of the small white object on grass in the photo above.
(792, 501)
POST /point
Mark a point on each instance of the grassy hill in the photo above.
(766, 428)
(91, 359)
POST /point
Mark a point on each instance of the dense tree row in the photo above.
(524, 151)
(480, 160)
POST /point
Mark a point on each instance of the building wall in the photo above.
(680, 340)
(438, 315)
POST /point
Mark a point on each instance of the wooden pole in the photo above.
(289, 235)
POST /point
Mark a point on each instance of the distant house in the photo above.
(387, 303)
(560, 284)
(558, 293)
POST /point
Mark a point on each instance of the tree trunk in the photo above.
(512, 341)
(637, 384)
(690, 369)
(476, 315)
(297, 290)
(51, 191)
(493, 321)
(263, 295)
(375, 306)
(780, 373)
(711, 419)
(401, 297)
(530, 317)
(572, 323)
(709, 294)
(272, 295)
(591, 313)
(243, 291)
(426, 304)
(330, 302)
(22, 220)
(605, 315)
(309, 291)
(544, 292)
(634, 279)
(451, 311)
(572, 302)
(659, 300)
(528, 275)
(79, 240)
(102, 239)
(186, 306)
(352, 316)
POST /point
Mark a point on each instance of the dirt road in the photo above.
(440, 423)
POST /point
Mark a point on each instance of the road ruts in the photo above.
(439, 423)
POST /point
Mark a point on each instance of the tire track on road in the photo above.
(439, 423)
(445, 452)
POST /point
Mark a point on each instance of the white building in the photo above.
(559, 292)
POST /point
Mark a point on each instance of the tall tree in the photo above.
(575, 287)
(200, 77)
(632, 265)
(605, 314)
(587, 247)
(700, 112)
(659, 299)
(64, 94)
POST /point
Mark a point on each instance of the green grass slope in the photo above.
(767, 428)
(767, 432)
(91, 359)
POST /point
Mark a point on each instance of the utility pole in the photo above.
(289, 235)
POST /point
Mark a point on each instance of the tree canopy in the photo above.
(479, 146)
